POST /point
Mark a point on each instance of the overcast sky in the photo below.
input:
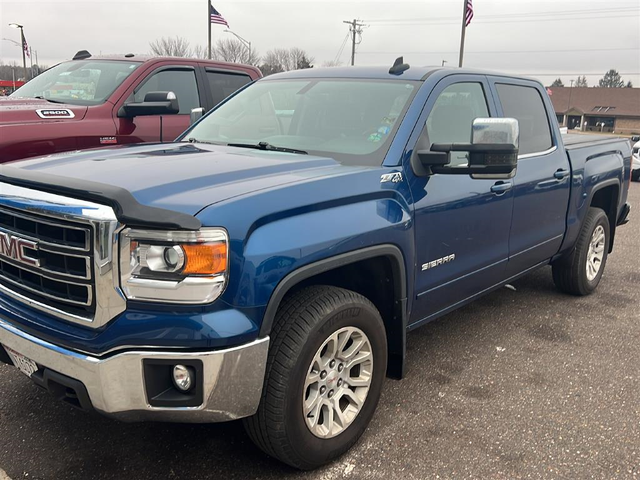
(544, 39)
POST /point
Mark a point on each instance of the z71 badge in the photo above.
(438, 262)
(55, 113)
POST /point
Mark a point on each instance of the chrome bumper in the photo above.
(232, 387)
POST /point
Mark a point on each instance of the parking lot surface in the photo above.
(524, 383)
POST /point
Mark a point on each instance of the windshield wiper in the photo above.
(47, 99)
(195, 140)
(267, 146)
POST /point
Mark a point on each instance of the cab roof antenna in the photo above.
(399, 66)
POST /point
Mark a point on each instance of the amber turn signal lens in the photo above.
(205, 259)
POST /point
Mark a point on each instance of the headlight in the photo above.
(174, 266)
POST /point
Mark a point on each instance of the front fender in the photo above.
(277, 231)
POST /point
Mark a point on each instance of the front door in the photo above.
(461, 224)
(180, 80)
(542, 181)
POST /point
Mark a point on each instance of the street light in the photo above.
(245, 42)
(22, 44)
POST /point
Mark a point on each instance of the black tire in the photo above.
(303, 322)
(635, 175)
(570, 272)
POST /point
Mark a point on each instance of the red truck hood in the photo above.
(25, 110)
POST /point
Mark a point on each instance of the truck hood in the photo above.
(18, 110)
(185, 177)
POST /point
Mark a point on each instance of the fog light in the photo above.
(182, 378)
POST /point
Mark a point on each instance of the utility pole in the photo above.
(355, 28)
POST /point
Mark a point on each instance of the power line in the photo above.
(370, 52)
(517, 15)
(483, 22)
(341, 49)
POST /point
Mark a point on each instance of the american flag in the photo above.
(469, 13)
(216, 17)
(25, 47)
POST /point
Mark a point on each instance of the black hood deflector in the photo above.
(127, 209)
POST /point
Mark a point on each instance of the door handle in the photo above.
(561, 173)
(500, 188)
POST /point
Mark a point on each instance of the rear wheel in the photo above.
(579, 273)
(325, 371)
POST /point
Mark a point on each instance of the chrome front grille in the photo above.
(63, 274)
(59, 255)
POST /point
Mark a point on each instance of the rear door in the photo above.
(542, 181)
(179, 79)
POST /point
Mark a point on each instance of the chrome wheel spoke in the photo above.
(337, 382)
(358, 359)
(595, 255)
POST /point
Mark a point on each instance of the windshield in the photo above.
(79, 82)
(353, 121)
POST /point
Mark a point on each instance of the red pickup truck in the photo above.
(91, 101)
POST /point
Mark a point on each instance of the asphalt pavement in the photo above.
(524, 383)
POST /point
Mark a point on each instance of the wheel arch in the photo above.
(347, 271)
(606, 196)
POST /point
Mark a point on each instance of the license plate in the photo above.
(24, 364)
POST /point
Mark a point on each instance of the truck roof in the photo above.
(129, 57)
(382, 72)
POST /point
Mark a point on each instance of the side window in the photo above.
(224, 84)
(181, 82)
(452, 115)
(525, 105)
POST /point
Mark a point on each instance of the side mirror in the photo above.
(155, 103)
(493, 151)
(196, 114)
(635, 138)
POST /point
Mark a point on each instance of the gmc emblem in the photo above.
(13, 248)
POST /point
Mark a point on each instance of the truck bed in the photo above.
(576, 140)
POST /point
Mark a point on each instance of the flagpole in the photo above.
(209, 24)
(464, 29)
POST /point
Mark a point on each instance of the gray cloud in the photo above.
(516, 36)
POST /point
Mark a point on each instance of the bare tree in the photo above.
(299, 59)
(332, 63)
(200, 51)
(170, 47)
(581, 82)
(233, 50)
(283, 60)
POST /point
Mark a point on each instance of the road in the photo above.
(528, 383)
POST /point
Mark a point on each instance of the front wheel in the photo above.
(635, 175)
(325, 371)
(579, 273)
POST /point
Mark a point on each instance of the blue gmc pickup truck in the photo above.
(269, 263)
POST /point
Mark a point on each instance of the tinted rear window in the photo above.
(525, 105)
(223, 84)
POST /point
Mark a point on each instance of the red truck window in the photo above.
(223, 84)
(180, 82)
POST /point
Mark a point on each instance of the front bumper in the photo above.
(232, 378)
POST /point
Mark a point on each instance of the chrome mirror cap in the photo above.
(504, 131)
(196, 114)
